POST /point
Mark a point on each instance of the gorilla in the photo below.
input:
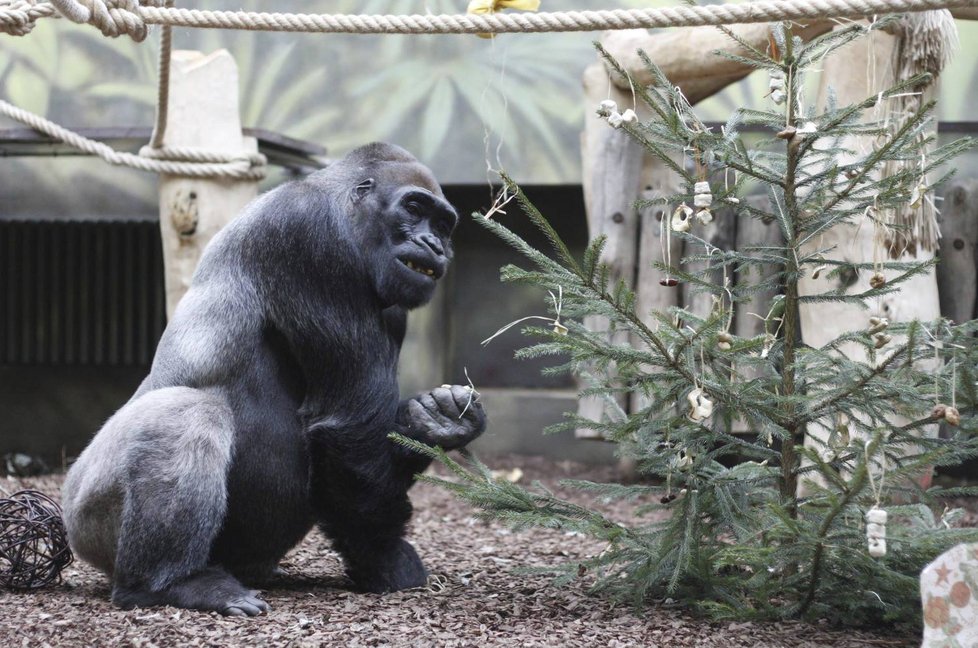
(270, 399)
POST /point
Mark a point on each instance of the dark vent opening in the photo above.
(80, 292)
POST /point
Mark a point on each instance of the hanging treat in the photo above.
(669, 282)
(917, 195)
(882, 339)
(559, 328)
(787, 133)
(680, 218)
(876, 532)
(817, 271)
(700, 407)
(724, 340)
(877, 280)
(704, 216)
(877, 324)
(629, 116)
(682, 460)
(948, 413)
(777, 87)
(607, 107)
(702, 196)
(615, 120)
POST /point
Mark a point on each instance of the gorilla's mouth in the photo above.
(419, 268)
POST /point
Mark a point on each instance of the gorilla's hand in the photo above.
(449, 416)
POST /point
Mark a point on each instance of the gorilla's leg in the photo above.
(359, 492)
(165, 457)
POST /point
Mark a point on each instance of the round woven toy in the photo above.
(33, 542)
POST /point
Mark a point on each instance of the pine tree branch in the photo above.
(855, 487)
(818, 411)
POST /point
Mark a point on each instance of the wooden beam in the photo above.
(685, 55)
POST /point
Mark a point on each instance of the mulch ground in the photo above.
(475, 597)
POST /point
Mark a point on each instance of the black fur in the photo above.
(272, 394)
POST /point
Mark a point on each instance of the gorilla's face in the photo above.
(412, 232)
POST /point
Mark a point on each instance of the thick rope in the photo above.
(116, 17)
(194, 163)
(163, 85)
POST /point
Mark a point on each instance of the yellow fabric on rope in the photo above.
(480, 7)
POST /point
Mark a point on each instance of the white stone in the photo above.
(948, 598)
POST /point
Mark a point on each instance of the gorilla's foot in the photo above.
(211, 589)
(396, 569)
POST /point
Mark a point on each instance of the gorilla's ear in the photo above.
(361, 190)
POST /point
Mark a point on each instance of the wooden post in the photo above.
(958, 267)
(203, 113)
(650, 295)
(719, 233)
(612, 176)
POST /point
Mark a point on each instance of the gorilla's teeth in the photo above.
(419, 269)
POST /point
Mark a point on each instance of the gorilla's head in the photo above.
(402, 221)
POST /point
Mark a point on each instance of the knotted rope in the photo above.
(116, 17)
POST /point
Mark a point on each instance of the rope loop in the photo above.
(245, 165)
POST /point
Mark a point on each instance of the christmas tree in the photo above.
(760, 524)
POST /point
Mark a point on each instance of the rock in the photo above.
(948, 588)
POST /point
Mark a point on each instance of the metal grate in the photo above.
(80, 292)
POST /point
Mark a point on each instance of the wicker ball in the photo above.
(33, 542)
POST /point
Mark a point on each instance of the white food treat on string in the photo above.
(680, 218)
(704, 216)
(876, 532)
(700, 407)
(702, 196)
(629, 116)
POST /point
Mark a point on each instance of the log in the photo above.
(685, 54)
(203, 113)
(956, 272)
(652, 296)
(860, 69)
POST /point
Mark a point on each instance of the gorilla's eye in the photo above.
(414, 208)
(444, 227)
